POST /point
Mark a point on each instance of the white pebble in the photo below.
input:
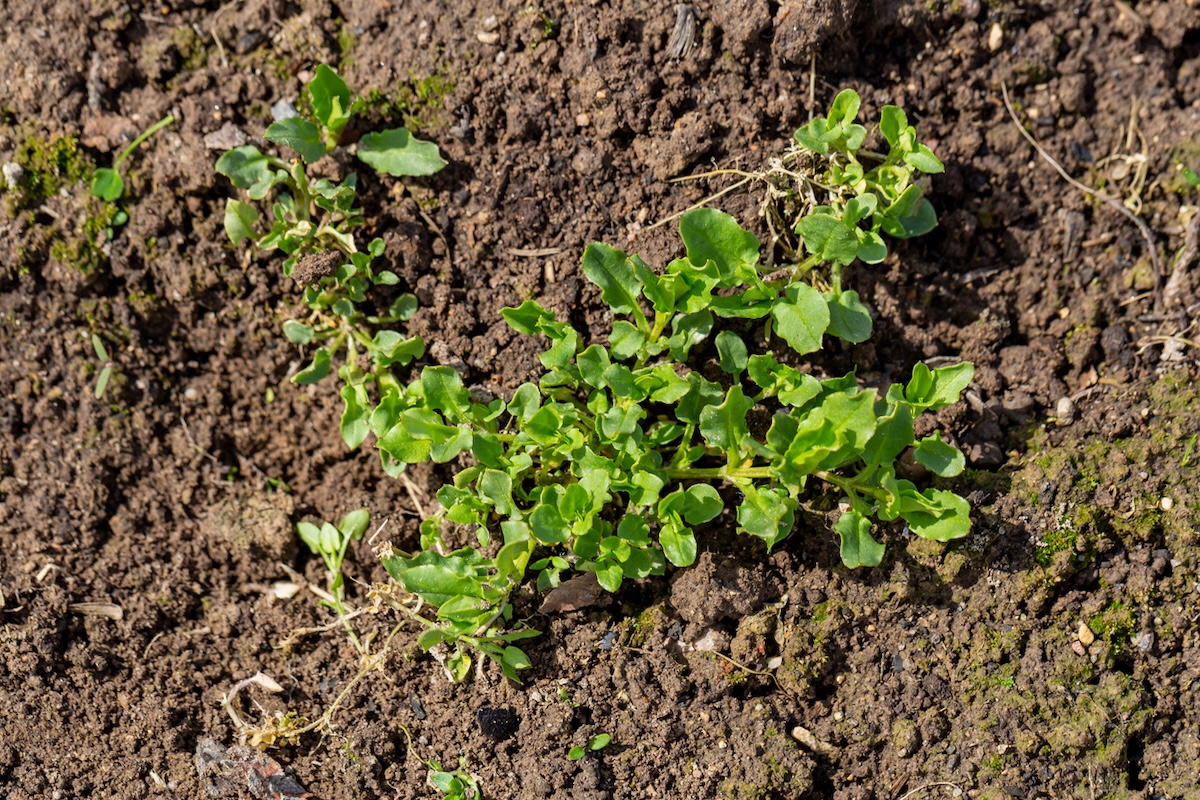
(995, 37)
(488, 37)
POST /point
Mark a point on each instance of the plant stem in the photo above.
(153, 129)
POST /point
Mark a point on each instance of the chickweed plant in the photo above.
(312, 221)
(613, 459)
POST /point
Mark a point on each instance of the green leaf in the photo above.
(934, 389)
(397, 152)
(599, 742)
(687, 331)
(678, 543)
(325, 88)
(859, 208)
(496, 487)
(576, 752)
(445, 392)
(859, 548)
(792, 387)
(702, 504)
(849, 319)
(724, 426)
(922, 158)
(548, 525)
(297, 332)
(920, 222)
(315, 371)
(701, 393)
(801, 317)
(844, 108)
(354, 524)
(892, 123)
(356, 417)
(592, 364)
(311, 536)
(433, 577)
(766, 512)
(936, 514)
(625, 340)
(514, 660)
(828, 237)
(300, 135)
(609, 268)
(711, 235)
(244, 166)
(941, 458)
(528, 318)
(812, 135)
(108, 185)
(609, 575)
(239, 220)
(732, 352)
(893, 433)
(871, 247)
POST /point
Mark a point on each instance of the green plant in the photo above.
(312, 222)
(457, 785)
(109, 186)
(330, 542)
(615, 456)
(828, 200)
(598, 742)
(315, 216)
(106, 366)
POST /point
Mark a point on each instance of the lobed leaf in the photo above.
(397, 152)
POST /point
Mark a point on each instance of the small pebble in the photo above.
(1086, 637)
(1065, 410)
(1078, 647)
(283, 110)
(488, 37)
(582, 119)
(1145, 641)
(838, 716)
(995, 37)
(501, 58)
(1166, 504)
(491, 23)
(13, 172)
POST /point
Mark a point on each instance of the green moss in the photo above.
(50, 165)
(419, 103)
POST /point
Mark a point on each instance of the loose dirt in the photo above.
(946, 671)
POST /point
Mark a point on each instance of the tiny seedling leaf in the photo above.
(108, 185)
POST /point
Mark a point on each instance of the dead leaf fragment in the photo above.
(579, 592)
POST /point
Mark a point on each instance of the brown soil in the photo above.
(948, 670)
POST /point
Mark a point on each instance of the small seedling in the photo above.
(595, 743)
(312, 222)
(107, 183)
(330, 543)
(106, 366)
(456, 785)
(315, 216)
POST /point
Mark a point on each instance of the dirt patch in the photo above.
(1053, 653)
